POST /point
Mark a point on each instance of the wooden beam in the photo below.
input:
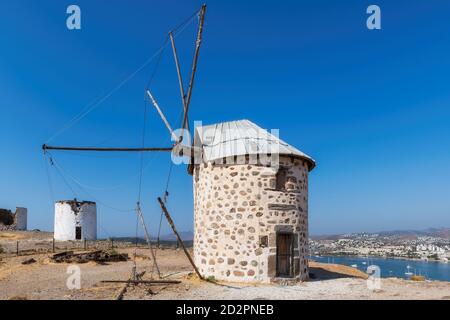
(46, 147)
(147, 237)
(163, 117)
(124, 288)
(155, 282)
(180, 241)
(180, 78)
(194, 64)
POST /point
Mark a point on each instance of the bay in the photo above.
(392, 267)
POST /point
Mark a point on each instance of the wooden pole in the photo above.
(171, 223)
(53, 245)
(180, 78)
(45, 147)
(143, 281)
(124, 288)
(85, 244)
(194, 64)
(17, 248)
(163, 117)
(147, 237)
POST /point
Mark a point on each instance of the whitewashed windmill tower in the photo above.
(75, 220)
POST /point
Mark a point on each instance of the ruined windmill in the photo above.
(250, 195)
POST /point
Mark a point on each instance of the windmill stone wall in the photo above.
(240, 209)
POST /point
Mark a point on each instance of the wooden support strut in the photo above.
(147, 237)
(180, 78)
(172, 225)
(134, 279)
(155, 282)
(163, 117)
(124, 288)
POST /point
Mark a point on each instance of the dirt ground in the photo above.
(29, 235)
(44, 280)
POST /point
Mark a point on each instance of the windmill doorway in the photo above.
(285, 253)
(77, 233)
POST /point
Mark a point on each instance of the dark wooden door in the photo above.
(78, 233)
(284, 254)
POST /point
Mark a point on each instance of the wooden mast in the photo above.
(194, 64)
(180, 78)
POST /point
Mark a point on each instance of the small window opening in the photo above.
(264, 241)
(281, 179)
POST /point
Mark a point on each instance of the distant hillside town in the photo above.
(431, 244)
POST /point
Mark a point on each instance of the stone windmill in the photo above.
(250, 203)
(250, 195)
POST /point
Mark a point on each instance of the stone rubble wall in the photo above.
(11, 227)
(10, 221)
(238, 210)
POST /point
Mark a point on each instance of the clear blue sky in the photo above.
(372, 107)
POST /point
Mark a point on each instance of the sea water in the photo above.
(391, 267)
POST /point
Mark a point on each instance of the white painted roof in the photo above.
(242, 137)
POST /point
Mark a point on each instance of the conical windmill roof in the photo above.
(242, 137)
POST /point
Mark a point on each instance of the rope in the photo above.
(98, 101)
(175, 32)
(144, 129)
(63, 178)
(166, 194)
(104, 230)
(61, 171)
(180, 28)
(49, 178)
(81, 184)
(95, 104)
(136, 239)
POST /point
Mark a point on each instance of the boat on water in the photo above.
(408, 272)
(354, 266)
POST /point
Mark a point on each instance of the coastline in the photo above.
(379, 257)
(395, 267)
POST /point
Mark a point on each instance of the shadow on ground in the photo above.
(320, 274)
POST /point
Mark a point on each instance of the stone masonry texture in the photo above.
(239, 209)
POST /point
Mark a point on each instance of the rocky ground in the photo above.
(45, 279)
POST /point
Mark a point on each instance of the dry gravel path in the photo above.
(47, 280)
